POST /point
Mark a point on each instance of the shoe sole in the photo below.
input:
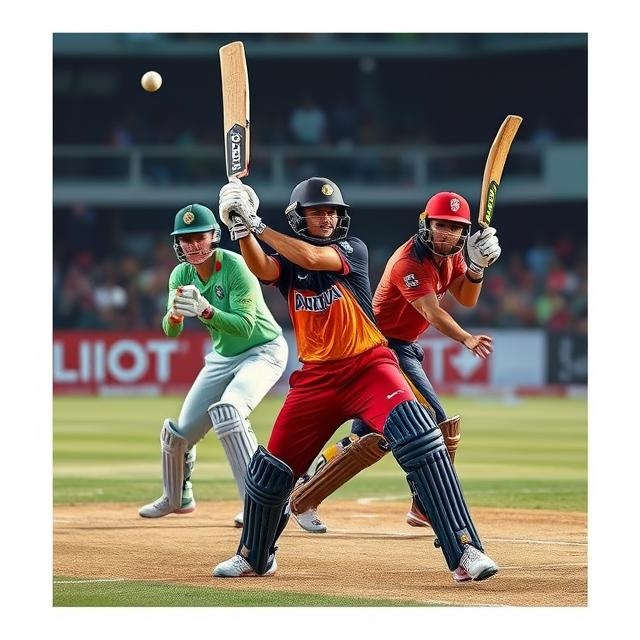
(319, 530)
(183, 510)
(413, 521)
(269, 574)
(487, 573)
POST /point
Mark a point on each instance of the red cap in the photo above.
(447, 205)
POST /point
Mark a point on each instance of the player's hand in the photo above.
(240, 200)
(191, 303)
(481, 346)
(238, 229)
(483, 249)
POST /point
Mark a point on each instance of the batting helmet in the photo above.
(448, 206)
(194, 218)
(317, 192)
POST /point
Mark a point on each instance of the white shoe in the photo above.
(475, 564)
(238, 521)
(309, 521)
(238, 567)
(161, 507)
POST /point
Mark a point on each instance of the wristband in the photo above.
(471, 279)
(175, 319)
(207, 314)
(259, 228)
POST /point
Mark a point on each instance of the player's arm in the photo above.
(466, 288)
(241, 201)
(173, 322)
(431, 310)
(302, 253)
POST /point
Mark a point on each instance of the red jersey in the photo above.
(410, 274)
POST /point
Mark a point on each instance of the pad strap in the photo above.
(418, 446)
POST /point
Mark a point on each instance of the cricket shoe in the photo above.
(309, 521)
(238, 521)
(238, 567)
(161, 507)
(475, 564)
(416, 518)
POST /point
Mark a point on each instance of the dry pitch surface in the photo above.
(369, 551)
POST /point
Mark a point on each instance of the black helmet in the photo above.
(317, 192)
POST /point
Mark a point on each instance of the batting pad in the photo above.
(418, 446)
(173, 463)
(269, 484)
(238, 440)
(347, 463)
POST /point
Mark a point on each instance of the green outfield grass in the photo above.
(530, 453)
(70, 592)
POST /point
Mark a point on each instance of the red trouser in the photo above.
(325, 395)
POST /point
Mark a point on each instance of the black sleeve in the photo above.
(354, 255)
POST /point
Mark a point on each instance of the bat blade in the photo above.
(235, 105)
(494, 167)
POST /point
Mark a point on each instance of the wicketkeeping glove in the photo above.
(483, 249)
(190, 302)
(241, 200)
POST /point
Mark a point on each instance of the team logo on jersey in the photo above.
(411, 280)
(454, 204)
(346, 246)
(317, 303)
(219, 292)
(327, 189)
(188, 217)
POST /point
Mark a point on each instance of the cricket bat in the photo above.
(494, 166)
(235, 105)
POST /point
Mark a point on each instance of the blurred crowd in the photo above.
(544, 286)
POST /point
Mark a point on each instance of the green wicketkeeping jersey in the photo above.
(241, 318)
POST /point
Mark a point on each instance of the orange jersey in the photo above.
(410, 274)
(331, 312)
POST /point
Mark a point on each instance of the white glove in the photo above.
(483, 249)
(241, 200)
(191, 303)
(238, 229)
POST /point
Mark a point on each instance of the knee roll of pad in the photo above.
(268, 486)
(418, 446)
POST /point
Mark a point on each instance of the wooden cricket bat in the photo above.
(235, 105)
(494, 166)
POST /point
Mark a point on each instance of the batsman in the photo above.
(347, 371)
(248, 357)
(406, 302)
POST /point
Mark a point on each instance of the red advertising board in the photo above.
(448, 363)
(140, 362)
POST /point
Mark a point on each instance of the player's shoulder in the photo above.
(411, 254)
(230, 260)
(182, 273)
(351, 244)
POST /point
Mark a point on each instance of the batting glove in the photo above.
(238, 229)
(190, 302)
(237, 199)
(483, 249)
